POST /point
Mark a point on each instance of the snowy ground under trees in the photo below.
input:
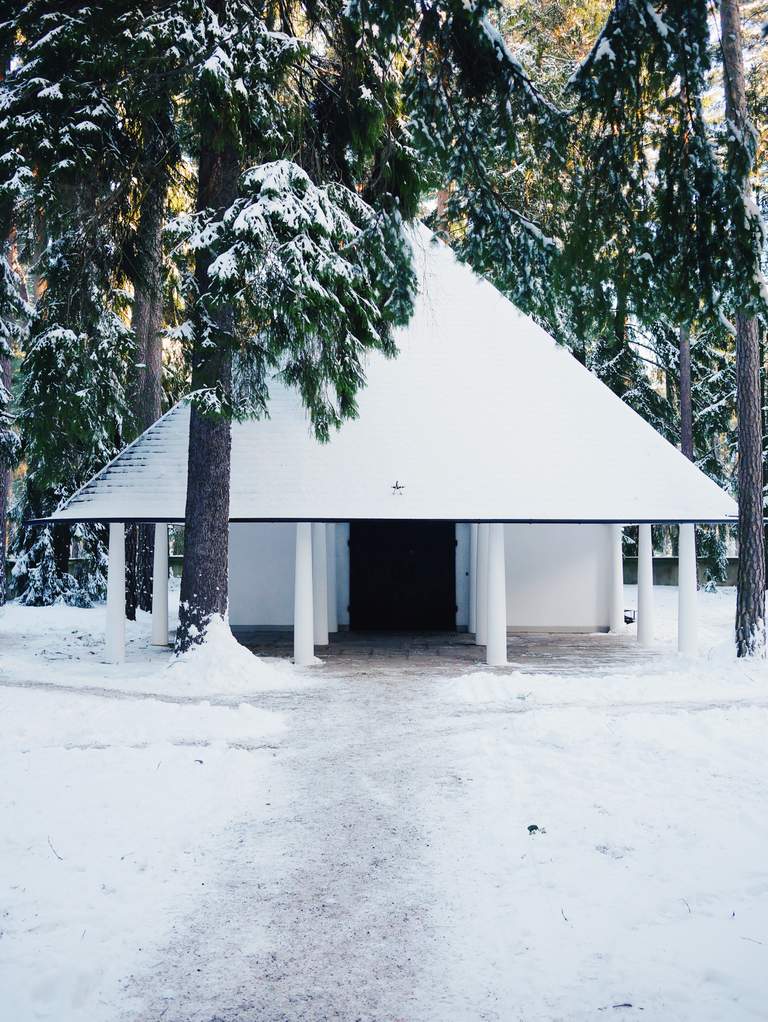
(238, 840)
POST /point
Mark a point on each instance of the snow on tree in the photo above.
(644, 81)
(750, 298)
(327, 86)
(616, 241)
(14, 318)
(312, 130)
(63, 144)
(315, 275)
(15, 314)
(73, 411)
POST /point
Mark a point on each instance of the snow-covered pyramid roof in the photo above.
(481, 417)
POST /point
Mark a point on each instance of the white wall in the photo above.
(462, 575)
(261, 567)
(261, 564)
(342, 572)
(557, 576)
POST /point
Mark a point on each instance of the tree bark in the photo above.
(686, 401)
(686, 394)
(131, 601)
(620, 384)
(750, 598)
(147, 321)
(204, 580)
(5, 488)
(750, 595)
(5, 369)
(5, 470)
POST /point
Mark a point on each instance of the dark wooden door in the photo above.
(402, 576)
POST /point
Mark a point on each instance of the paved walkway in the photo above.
(420, 847)
(455, 652)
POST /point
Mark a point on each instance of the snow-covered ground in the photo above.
(236, 839)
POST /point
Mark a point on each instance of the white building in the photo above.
(482, 487)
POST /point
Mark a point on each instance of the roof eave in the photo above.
(627, 520)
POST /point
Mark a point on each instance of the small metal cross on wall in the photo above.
(397, 488)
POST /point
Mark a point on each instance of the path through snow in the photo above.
(358, 847)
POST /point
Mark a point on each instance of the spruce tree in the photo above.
(599, 206)
(751, 297)
(15, 311)
(14, 318)
(306, 108)
(73, 415)
(151, 121)
(270, 291)
(64, 148)
(703, 263)
(625, 248)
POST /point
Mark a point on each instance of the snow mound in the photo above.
(669, 681)
(222, 665)
(64, 646)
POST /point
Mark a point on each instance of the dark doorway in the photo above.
(402, 576)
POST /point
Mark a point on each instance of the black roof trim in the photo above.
(480, 521)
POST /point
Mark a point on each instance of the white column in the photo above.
(645, 587)
(303, 620)
(481, 609)
(473, 578)
(687, 628)
(617, 580)
(333, 598)
(319, 583)
(160, 586)
(496, 621)
(115, 644)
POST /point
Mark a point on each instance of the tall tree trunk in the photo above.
(147, 321)
(5, 485)
(750, 597)
(764, 422)
(686, 400)
(7, 232)
(131, 602)
(686, 395)
(206, 534)
(684, 333)
(619, 383)
(750, 600)
(8, 252)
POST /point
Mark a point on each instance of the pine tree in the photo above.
(338, 136)
(562, 255)
(657, 59)
(147, 314)
(14, 317)
(646, 199)
(312, 131)
(73, 412)
(260, 288)
(627, 251)
(713, 384)
(706, 238)
(64, 147)
(150, 119)
(530, 216)
(496, 213)
(751, 295)
(15, 312)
